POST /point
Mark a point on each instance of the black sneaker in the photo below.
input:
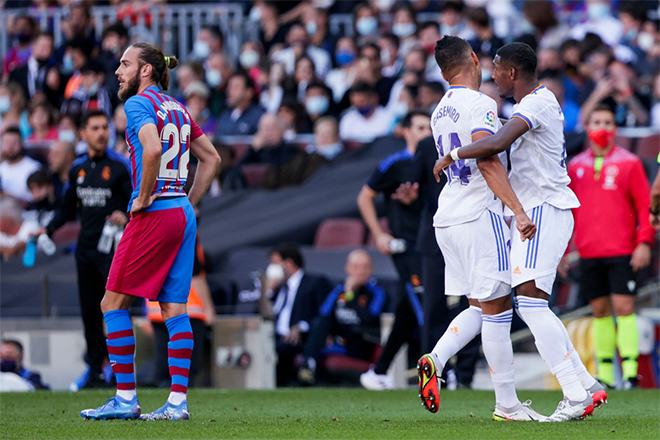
(96, 381)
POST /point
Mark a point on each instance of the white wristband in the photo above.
(454, 154)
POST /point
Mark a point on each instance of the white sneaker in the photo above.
(568, 410)
(376, 382)
(523, 414)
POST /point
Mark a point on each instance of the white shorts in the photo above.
(537, 259)
(476, 257)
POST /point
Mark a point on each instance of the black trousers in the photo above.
(286, 370)
(407, 314)
(93, 268)
(437, 317)
(161, 366)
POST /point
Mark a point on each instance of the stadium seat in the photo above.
(67, 233)
(648, 147)
(371, 240)
(339, 232)
(254, 174)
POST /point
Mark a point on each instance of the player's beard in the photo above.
(131, 88)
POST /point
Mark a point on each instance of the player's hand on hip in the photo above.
(525, 226)
(383, 243)
(139, 205)
(440, 165)
(641, 257)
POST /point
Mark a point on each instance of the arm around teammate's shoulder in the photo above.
(209, 161)
(498, 142)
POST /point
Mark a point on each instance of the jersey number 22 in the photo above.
(177, 141)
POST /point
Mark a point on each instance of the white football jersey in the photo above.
(461, 113)
(538, 157)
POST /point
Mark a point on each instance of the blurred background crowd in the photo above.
(285, 88)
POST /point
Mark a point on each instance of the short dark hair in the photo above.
(289, 251)
(406, 122)
(451, 52)
(84, 119)
(15, 343)
(215, 31)
(392, 38)
(520, 56)
(247, 80)
(601, 108)
(362, 87)
(12, 130)
(435, 86)
(479, 16)
(115, 28)
(316, 84)
(429, 24)
(40, 178)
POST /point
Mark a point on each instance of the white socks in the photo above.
(176, 398)
(461, 330)
(127, 394)
(583, 374)
(496, 341)
(551, 344)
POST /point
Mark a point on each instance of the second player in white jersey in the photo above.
(462, 113)
(538, 158)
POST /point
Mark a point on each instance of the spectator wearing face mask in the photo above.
(341, 78)
(11, 361)
(251, 58)
(297, 45)
(428, 37)
(326, 138)
(13, 111)
(452, 21)
(600, 22)
(23, 30)
(366, 120)
(219, 68)
(389, 50)
(365, 21)
(405, 26)
(76, 55)
(414, 66)
(209, 40)
(316, 25)
(196, 96)
(318, 101)
(44, 199)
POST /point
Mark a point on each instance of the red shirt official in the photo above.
(613, 217)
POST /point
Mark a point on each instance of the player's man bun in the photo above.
(151, 54)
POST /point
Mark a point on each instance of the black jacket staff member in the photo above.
(99, 189)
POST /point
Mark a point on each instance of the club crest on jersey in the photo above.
(106, 173)
(81, 177)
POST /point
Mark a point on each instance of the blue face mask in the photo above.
(344, 57)
(67, 64)
(364, 111)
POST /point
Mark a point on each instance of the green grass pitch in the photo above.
(325, 413)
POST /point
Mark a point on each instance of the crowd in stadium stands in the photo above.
(299, 95)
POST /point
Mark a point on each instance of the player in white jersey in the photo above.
(538, 176)
(472, 235)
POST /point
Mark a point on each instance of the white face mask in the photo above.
(311, 28)
(66, 136)
(213, 78)
(248, 59)
(403, 30)
(317, 105)
(385, 57)
(596, 11)
(385, 5)
(400, 109)
(67, 64)
(366, 25)
(645, 41)
(330, 151)
(5, 104)
(201, 49)
(255, 15)
(93, 89)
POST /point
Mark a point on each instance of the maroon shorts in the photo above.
(155, 256)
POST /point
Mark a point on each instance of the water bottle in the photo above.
(46, 244)
(118, 235)
(107, 238)
(30, 252)
(398, 246)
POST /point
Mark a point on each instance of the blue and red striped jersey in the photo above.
(176, 129)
